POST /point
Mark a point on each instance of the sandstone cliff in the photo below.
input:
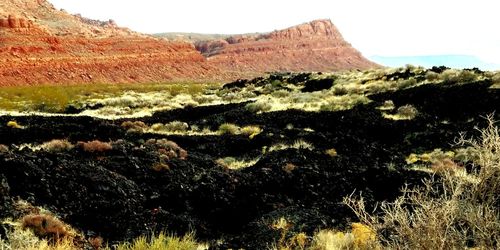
(39, 45)
(314, 46)
(42, 45)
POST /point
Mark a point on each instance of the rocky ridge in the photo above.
(313, 46)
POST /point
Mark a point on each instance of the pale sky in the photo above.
(375, 27)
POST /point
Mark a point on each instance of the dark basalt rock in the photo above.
(318, 85)
(118, 195)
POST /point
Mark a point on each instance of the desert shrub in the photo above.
(228, 128)
(19, 239)
(431, 76)
(46, 226)
(95, 146)
(57, 145)
(449, 76)
(13, 124)
(250, 131)
(167, 150)
(340, 90)
(176, 126)
(134, 126)
(360, 237)
(259, 106)
(458, 76)
(454, 211)
(161, 242)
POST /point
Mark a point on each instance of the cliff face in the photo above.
(39, 44)
(314, 46)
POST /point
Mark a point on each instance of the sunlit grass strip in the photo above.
(55, 98)
(299, 144)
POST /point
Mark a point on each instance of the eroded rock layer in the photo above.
(314, 46)
(39, 44)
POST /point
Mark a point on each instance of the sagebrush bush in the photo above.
(458, 210)
(176, 126)
(134, 126)
(167, 150)
(46, 226)
(95, 146)
(57, 145)
(259, 106)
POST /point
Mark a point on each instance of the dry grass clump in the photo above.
(235, 164)
(57, 145)
(173, 127)
(259, 106)
(95, 146)
(134, 126)
(176, 126)
(162, 242)
(228, 128)
(251, 131)
(46, 226)
(361, 237)
(454, 211)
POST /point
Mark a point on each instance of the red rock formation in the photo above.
(42, 45)
(314, 46)
(39, 45)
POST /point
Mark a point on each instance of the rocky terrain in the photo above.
(305, 162)
(314, 46)
(40, 45)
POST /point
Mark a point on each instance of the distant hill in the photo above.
(313, 46)
(452, 61)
